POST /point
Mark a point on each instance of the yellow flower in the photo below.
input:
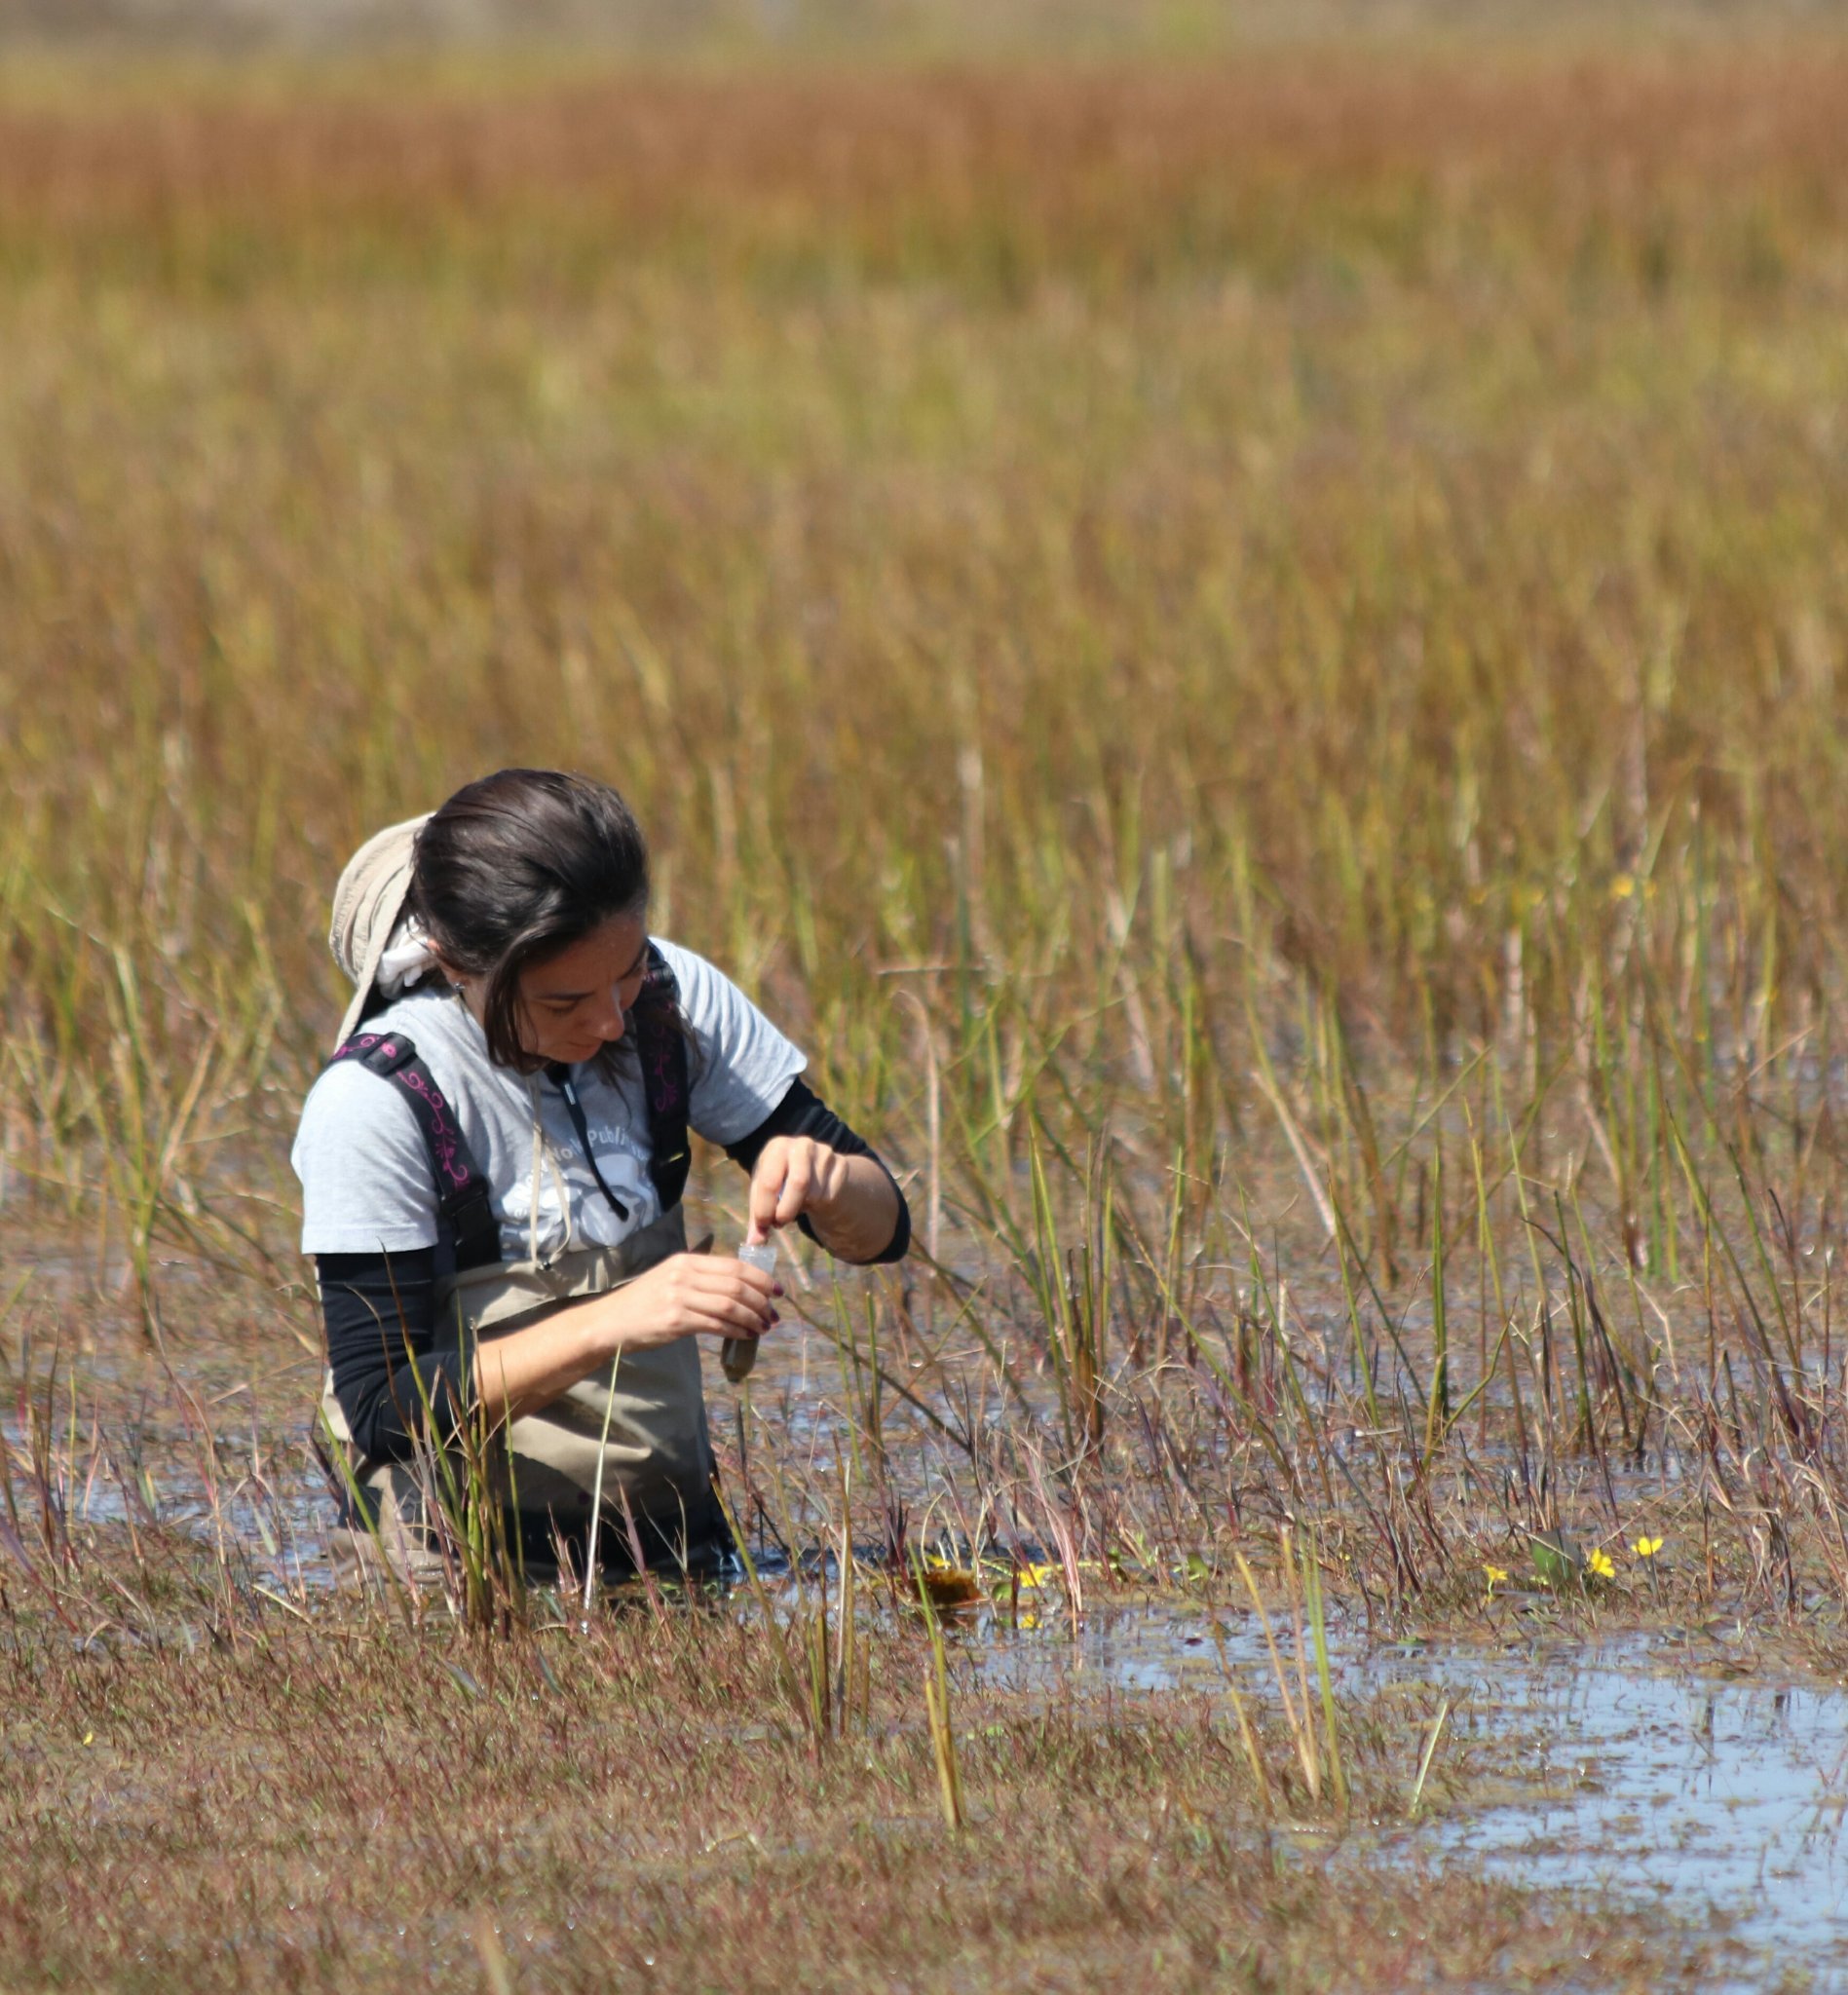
(1036, 1575)
(1622, 887)
(1496, 1577)
(1599, 1566)
(1647, 1548)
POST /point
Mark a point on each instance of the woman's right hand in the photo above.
(692, 1295)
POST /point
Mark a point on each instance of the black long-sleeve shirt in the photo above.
(392, 1381)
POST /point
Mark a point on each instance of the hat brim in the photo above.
(390, 907)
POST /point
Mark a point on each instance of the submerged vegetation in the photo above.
(1250, 654)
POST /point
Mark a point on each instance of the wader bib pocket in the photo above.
(637, 1431)
(634, 1436)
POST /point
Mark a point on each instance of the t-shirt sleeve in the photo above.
(366, 1175)
(743, 1065)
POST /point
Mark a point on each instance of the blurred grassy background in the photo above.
(1158, 561)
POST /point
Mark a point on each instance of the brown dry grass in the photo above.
(1699, 154)
(336, 1806)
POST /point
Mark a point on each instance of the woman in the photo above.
(491, 1171)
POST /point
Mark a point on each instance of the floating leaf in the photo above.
(1555, 1562)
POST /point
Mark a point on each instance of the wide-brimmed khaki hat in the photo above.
(367, 903)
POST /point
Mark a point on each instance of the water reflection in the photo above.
(1723, 1797)
(1642, 1768)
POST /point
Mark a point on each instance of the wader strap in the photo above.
(463, 1199)
(661, 1046)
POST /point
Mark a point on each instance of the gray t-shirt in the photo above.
(365, 1174)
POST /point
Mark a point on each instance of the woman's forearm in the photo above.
(858, 1222)
(687, 1295)
(527, 1368)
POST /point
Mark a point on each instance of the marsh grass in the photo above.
(305, 1794)
(1248, 653)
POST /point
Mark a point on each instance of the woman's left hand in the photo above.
(794, 1175)
(850, 1202)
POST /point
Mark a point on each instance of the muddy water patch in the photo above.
(1637, 1770)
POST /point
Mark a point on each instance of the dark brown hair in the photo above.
(515, 867)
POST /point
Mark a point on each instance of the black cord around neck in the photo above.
(559, 1074)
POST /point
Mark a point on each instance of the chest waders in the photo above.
(633, 1436)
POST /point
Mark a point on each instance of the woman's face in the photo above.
(576, 1002)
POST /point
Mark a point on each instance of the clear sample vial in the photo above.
(737, 1354)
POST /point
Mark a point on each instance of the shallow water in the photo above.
(1645, 1770)
(1714, 1796)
